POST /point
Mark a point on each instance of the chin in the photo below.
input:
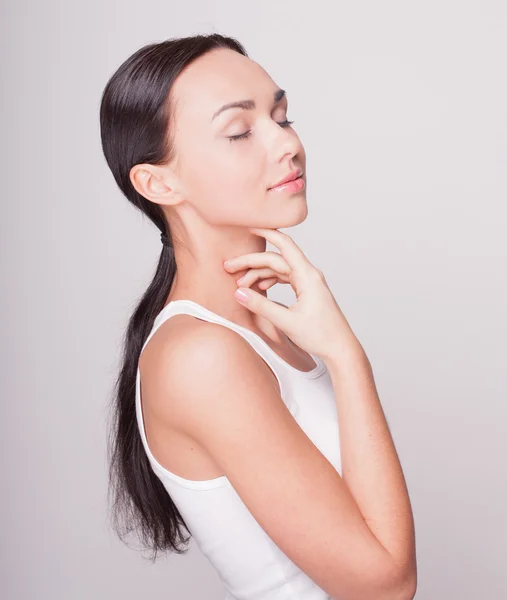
(295, 213)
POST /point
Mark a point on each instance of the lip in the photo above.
(294, 175)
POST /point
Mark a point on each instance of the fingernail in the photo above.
(241, 294)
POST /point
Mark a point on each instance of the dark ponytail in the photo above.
(134, 122)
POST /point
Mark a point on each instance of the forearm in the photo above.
(370, 465)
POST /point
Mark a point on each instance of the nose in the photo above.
(285, 143)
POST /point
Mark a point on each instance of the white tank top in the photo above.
(250, 565)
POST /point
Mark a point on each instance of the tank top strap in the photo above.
(190, 307)
(262, 348)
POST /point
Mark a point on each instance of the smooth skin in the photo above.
(352, 535)
(370, 465)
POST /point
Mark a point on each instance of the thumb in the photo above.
(259, 304)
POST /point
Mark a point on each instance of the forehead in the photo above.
(218, 77)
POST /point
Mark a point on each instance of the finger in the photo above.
(261, 283)
(290, 251)
(258, 259)
(261, 305)
(267, 283)
(254, 274)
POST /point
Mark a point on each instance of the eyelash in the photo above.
(247, 134)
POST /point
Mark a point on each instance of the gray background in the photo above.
(402, 110)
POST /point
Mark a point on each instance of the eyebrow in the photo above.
(248, 104)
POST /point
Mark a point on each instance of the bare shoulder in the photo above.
(185, 346)
(215, 388)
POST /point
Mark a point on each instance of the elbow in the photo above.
(404, 583)
(400, 590)
(393, 582)
(405, 587)
(401, 586)
(407, 592)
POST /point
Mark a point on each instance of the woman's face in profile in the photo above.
(227, 180)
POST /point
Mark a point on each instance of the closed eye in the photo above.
(247, 134)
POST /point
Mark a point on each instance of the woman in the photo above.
(235, 437)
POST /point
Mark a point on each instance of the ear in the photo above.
(157, 184)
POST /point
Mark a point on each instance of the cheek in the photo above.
(225, 189)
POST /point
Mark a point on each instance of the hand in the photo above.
(315, 322)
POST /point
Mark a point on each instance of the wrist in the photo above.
(345, 355)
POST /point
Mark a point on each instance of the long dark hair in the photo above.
(135, 128)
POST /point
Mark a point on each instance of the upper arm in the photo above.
(220, 392)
